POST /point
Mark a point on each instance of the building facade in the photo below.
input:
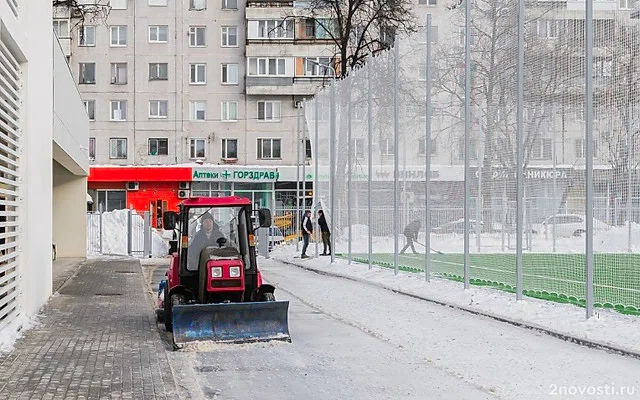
(44, 163)
(169, 82)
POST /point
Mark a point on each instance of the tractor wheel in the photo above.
(268, 297)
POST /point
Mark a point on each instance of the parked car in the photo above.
(567, 225)
(457, 226)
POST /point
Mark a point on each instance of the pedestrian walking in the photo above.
(326, 234)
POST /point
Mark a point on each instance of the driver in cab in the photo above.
(207, 236)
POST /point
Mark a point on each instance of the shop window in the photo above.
(109, 200)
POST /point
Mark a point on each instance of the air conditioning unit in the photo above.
(183, 194)
(133, 186)
(183, 185)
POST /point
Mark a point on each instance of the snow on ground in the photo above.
(114, 235)
(613, 240)
(10, 336)
(608, 327)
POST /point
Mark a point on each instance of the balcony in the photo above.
(294, 86)
(269, 3)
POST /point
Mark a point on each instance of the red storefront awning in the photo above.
(139, 174)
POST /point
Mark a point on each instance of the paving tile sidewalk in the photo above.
(98, 340)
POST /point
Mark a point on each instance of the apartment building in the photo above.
(171, 82)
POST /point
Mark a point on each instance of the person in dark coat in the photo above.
(207, 236)
(307, 228)
(411, 234)
(326, 234)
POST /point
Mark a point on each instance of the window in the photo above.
(197, 36)
(118, 110)
(157, 3)
(428, 2)
(197, 5)
(602, 67)
(275, 29)
(117, 148)
(628, 4)
(229, 148)
(119, 73)
(317, 66)
(229, 74)
(358, 148)
(158, 71)
(158, 147)
(421, 146)
(386, 147)
(269, 110)
(268, 148)
(229, 4)
(473, 153)
(580, 149)
(229, 36)
(309, 28)
(307, 148)
(549, 28)
(92, 149)
(118, 4)
(542, 149)
(325, 28)
(90, 107)
(87, 35)
(266, 66)
(197, 74)
(87, 73)
(230, 111)
(158, 34)
(158, 108)
(197, 110)
(109, 200)
(61, 28)
(197, 148)
(119, 36)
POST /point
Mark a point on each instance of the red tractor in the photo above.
(213, 288)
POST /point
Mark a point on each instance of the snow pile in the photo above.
(11, 333)
(607, 326)
(114, 235)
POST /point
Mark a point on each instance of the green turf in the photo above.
(552, 276)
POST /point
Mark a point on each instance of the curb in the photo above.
(520, 324)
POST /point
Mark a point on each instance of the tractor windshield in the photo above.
(215, 227)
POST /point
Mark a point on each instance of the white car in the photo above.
(567, 225)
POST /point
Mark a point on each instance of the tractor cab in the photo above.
(215, 266)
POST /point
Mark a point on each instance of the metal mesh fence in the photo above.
(529, 150)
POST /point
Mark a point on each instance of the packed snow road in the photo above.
(354, 341)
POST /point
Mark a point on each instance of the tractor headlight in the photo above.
(234, 272)
(216, 272)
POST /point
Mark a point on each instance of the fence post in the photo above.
(369, 165)
(467, 137)
(130, 232)
(589, 155)
(100, 226)
(396, 134)
(427, 151)
(147, 234)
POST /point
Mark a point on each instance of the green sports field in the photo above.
(552, 276)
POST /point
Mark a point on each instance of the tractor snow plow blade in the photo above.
(231, 322)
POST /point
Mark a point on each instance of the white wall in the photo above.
(69, 212)
(35, 260)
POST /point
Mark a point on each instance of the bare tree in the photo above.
(494, 84)
(82, 12)
(359, 28)
(618, 116)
